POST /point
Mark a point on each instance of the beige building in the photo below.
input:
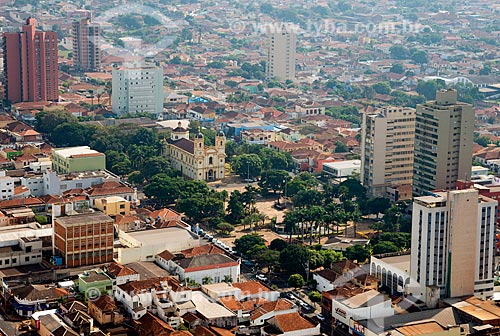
(308, 108)
(387, 138)
(193, 158)
(443, 143)
(281, 54)
(113, 205)
(86, 45)
(453, 243)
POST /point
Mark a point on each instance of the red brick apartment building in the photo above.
(84, 239)
(30, 64)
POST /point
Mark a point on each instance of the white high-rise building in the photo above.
(453, 243)
(137, 90)
(281, 54)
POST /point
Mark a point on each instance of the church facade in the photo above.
(195, 160)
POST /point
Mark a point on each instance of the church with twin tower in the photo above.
(193, 158)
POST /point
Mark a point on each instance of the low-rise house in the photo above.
(212, 312)
(271, 309)
(291, 324)
(32, 298)
(121, 274)
(49, 324)
(113, 205)
(105, 311)
(198, 268)
(95, 283)
(26, 251)
(150, 325)
(163, 295)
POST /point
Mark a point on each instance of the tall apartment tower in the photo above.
(281, 54)
(443, 143)
(453, 242)
(137, 90)
(86, 47)
(82, 239)
(387, 138)
(30, 64)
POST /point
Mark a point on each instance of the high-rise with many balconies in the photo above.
(444, 131)
(30, 64)
(86, 45)
(281, 54)
(387, 138)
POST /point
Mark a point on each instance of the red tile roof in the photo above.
(292, 322)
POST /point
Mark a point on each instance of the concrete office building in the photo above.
(443, 143)
(387, 138)
(137, 90)
(453, 243)
(77, 159)
(86, 45)
(281, 54)
(82, 239)
(30, 64)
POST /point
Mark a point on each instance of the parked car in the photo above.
(261, 277)
(248, 263)
(320, 317)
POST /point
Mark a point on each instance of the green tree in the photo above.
(382, 88)
(315, 297)
(274, 180)
(164, 188)
(378, 205)
(41, 219)
(420, 57)
(307, 197)
(157, 165)
(296, 281)
(247, 165)
(225, 228)
(340, 147)
(384, 247)
(278, 244)
(235, 207)
(247, 242)
(397, 68)
(399, 52)
(135, 178)
(46, 122)
(357, 252)
(294, 258)
(202, 208)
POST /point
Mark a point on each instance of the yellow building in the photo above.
(193, 159)
(113, 205)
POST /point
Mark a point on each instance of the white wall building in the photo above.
(137, 90)
(214, 266)
(452, 247)
(6, 186)
(342, 169)
(281, 54)
(367, 305)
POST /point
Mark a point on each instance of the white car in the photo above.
(261, 277)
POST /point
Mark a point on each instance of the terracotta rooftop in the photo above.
(280, 304)
(251, 287)
(292, 322)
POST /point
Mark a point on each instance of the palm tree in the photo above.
(227, 279)
(207, 280)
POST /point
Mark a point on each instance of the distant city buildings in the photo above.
(453, 243)
(387, 139)
(30, 64)
(137, 90)
(86, 45)
(443, 143)
(281, 54)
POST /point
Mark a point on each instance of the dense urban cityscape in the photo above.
(215, 168)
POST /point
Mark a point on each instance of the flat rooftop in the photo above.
(343, 164)
(76, 151)
(209, 309)
(153, 237)
(84, 218)
(401, 262)
(148, 270)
